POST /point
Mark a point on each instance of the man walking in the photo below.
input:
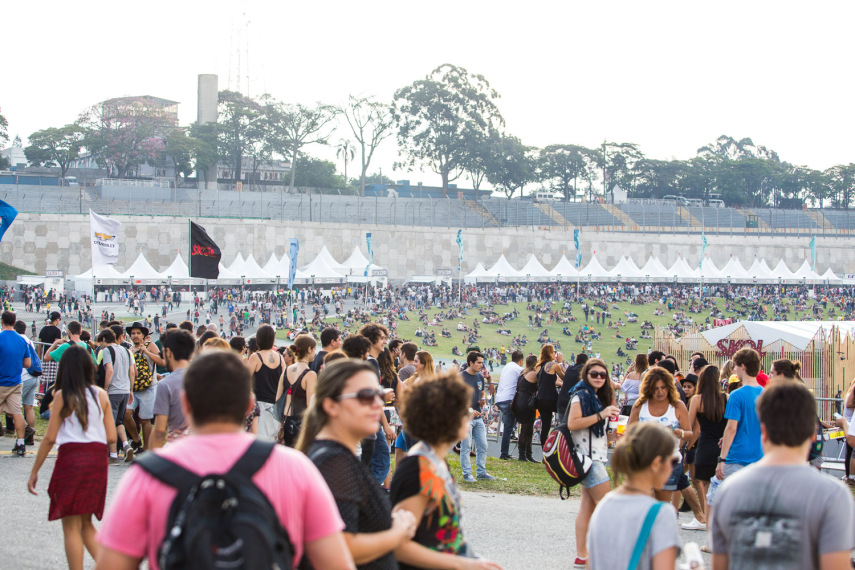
(119, 373)
(146, 355)
(29, 385)
(504, 396)
(169, 419)
(14, 357)
(472, 376)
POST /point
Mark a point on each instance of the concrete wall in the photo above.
(60, 241)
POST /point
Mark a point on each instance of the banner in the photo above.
(812, 253)
(703, 249)
(205, 255)
(7, 216)
(578, 250)
(370, 254)
(104, 234)
(460, 243)
(293, 249)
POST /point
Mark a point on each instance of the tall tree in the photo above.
(243, 130)
(180, 149)
(512, 165)
(436, 116)
(371, 123)
(346, 151)
(4, 138)
(125, 133)
(55, 147)
(561, 166)
(293, 127)
(620, 162)
(205, 154)
(317, 173)
(841, 179)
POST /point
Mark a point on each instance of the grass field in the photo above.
(9, 272)
(607, 345)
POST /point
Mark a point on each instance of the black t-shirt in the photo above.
(363, 506)
(316, 364)
(571, 378)
(48, 335)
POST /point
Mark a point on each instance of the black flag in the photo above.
(204, 254)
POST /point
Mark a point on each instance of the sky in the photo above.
(669, 76)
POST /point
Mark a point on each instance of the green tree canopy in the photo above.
(55, 147)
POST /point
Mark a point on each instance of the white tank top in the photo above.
(668, 419)
(70, 430)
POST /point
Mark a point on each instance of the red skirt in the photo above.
(78, 485)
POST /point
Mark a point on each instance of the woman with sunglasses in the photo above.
(591, 405)
(346, 408)
(645, 457)
(659, 402)
(437, 413)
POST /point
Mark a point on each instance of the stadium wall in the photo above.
(37, 242)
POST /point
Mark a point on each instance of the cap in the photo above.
(733, 379)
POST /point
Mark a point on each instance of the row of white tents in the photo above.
(323, 269)
(625, 270)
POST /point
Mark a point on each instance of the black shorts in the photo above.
(119, 403)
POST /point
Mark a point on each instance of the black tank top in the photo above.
(299, 401)
(546, 384)
(266, 382)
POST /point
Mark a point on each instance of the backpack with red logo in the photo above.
(563, 463)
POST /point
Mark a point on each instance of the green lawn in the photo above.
(9, 272)
(607, 345)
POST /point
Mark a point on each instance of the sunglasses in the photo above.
(598, 374)
(367, 396)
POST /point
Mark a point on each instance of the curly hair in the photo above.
(433, 409)
(648, 384)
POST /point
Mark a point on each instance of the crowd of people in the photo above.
(338, 404)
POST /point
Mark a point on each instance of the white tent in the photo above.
(797, 333)
(227, 274)
(626, 268)
(273, 266)
(829, 275)
(805, 271)
(759, 271)
(734, 270)
(708, 270)
(593, 270)
(781, 271)
(534, 270)
(101, 272)
(254, 271)
(564, 268)
(682, 270)
(326, 257)
(357, 262)
(502, 269)
(320, 271)
(654, 269)
(237, 267)
(478, 273)
(177, 269)
(141, 269)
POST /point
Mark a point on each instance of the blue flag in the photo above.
(7, 216)
(370, 254)
(812, 251)
(460, 243)
(703, 249)
(578, 250)
(294, 249)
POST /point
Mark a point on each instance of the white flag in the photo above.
(105, 239)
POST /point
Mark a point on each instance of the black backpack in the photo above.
(101, 369)
(220, 520)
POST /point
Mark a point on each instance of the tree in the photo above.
(725, 147)
(371, 123)
(293, 127)
(125, 133)
(511, 166)
(4, 138)
(346, 151)
(243, 130)
(620, 160)
(438, 115)
(317, 173)
(55, 147)
(180, 149)
(204, 152)
(562, 164)
(841, 179)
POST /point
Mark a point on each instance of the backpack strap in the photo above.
(167, 472)
(644, 535)
(253, 460)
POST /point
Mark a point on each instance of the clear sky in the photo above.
(670, 76)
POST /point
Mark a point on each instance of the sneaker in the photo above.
(114, 460)
(580, 563)
(29, 433)
(19, 449)
(129, 454)
(487, 477)
(2, 430)
(694, 525)
(505, 457)
(684, 508)
(469, 479)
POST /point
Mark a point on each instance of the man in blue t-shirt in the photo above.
(472, 376)
(14, 357)
(741, 445)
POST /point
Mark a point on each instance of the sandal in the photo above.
(705, 548)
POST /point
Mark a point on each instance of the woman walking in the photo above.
(591, 404)
(346, 408)
(550, 376)
(81, 423)
(267, 369)
(298, 384)
(645, 456)
(526, 390)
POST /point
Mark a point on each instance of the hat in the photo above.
(212, 327)
(762, 379)
(733, 379)
(137, 325)
(699, 363)
(55, 316)
(693, 378)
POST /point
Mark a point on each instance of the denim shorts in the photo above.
(677, 480)
(596, 476)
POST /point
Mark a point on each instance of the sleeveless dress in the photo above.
(707, 449)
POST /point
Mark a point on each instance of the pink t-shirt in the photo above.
(135, 521)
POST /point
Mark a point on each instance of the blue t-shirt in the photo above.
(746, 447)
(13, 351)
(477, 383)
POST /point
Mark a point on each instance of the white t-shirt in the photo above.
(599, 445)
(508, 382)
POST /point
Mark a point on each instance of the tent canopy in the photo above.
(564, 268)
(326, 257)
(534, 268)
(503, 269)
(593, 269)
(141, 269)
(625, 267)
(796, 333)
(178, 269)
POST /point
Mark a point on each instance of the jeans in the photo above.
(380, 461)
(508, 424)
(478, 435)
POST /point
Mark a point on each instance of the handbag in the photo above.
(562, 462)
(644, 535)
